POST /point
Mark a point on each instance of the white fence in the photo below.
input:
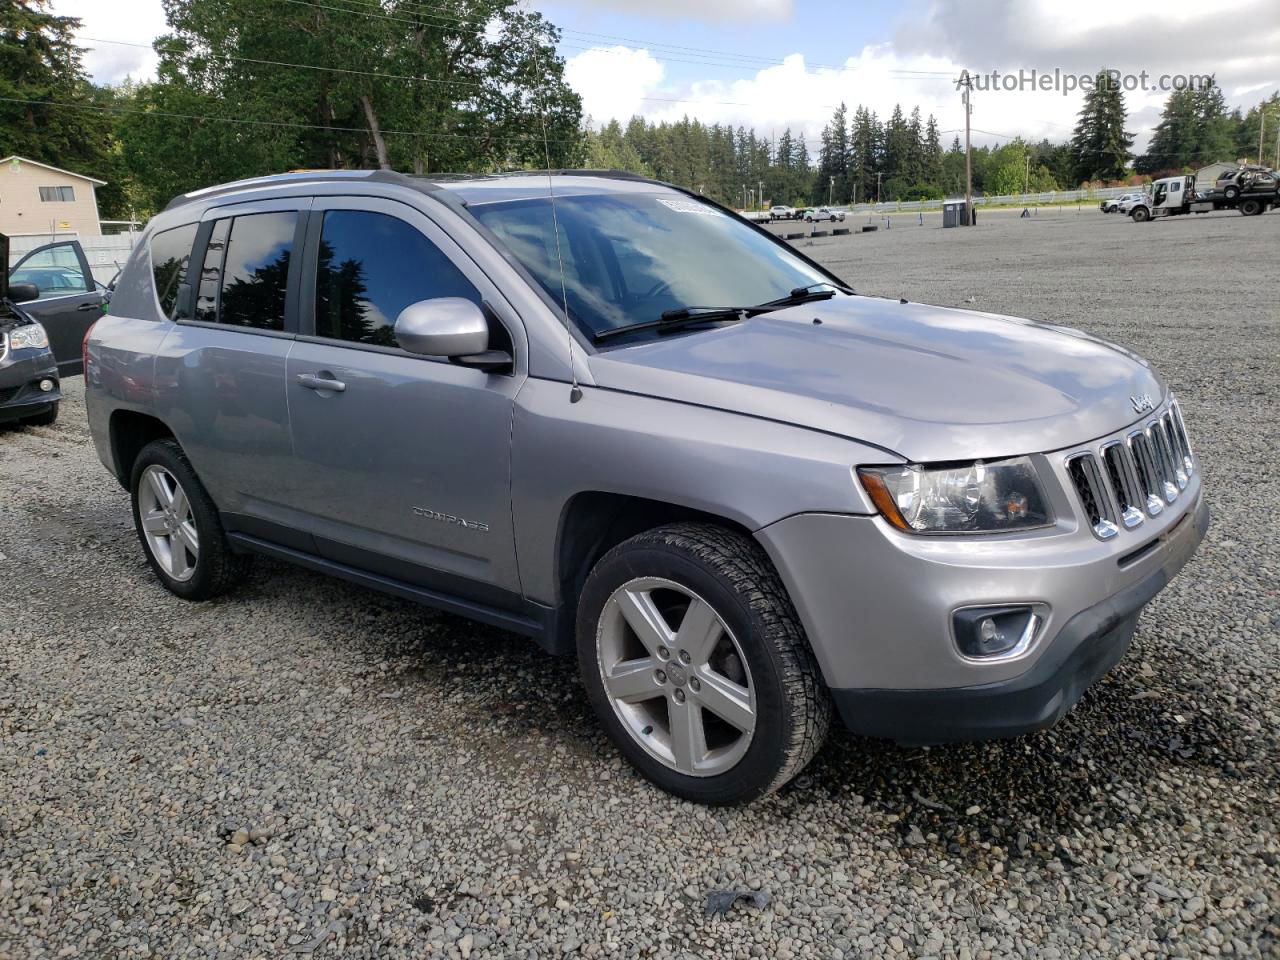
(1018, 200)
(105, 254)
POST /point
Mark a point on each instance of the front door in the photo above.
(402, 462)
(70, 301)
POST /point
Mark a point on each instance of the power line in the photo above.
(272, 123)
(195, 54)
(597, 49)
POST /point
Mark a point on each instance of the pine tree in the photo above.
(1100, 142)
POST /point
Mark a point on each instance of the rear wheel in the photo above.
(178, 525)
(1251, 208)
(696, 664)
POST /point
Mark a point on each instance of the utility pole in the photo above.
(1026, 178)
(1262, 125)
(761, 198)
(967, 82)
(878, 176)
(831, 189)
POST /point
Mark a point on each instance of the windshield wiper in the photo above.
(679, 317)
(803, 295)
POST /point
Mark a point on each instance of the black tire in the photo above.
(1231, 192)
(46, 419)
(1251, 208)
(734, 575)
(1140, 214)
(217, 568)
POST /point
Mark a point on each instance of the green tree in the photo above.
(51, 112)
(1100, 142)
(404, 87)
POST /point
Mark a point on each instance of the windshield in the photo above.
(629, 258)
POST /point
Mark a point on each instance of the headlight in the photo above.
(970, 498)
(30, 336)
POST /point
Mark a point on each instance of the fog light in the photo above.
(46, 385)
(984, 633)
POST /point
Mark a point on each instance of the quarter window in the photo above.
(371, 266)
(57, 194)
(170, 254)
(243, 281)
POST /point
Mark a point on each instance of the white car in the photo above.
(1113, 204)
(818, 214)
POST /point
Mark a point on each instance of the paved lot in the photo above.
(307, 767)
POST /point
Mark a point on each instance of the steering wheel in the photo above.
(662, 286)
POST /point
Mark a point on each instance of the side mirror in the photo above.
(23, 292)
(443, 327)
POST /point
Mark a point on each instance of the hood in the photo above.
(928, 383)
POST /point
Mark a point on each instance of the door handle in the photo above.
(89, 306)
(313, 382)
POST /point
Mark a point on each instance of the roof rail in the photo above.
(301, 176)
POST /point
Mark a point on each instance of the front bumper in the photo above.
(1083, 652)
(20, 394)
(877, 606)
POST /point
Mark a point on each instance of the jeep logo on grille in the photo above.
(1142, 403)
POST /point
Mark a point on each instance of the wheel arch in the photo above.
(130, 431)
(592, 523)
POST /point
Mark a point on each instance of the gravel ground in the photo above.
(309, 768)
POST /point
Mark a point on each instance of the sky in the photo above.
(778, 64)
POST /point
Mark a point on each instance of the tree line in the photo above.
(857, 159)
(244, 89)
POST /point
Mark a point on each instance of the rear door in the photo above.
(220, 371)
(70, 301)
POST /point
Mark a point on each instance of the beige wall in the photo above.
(23, 212)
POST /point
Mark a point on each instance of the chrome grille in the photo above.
(1127, 479)
(1093, 495)
(1124, 483)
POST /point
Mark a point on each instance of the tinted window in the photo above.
(55, 270)
(255, 271)
(371, 266)
(170, 254)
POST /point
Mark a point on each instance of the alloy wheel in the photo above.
(675, 676)
(168, 524)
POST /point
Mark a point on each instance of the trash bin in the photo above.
(954, 214)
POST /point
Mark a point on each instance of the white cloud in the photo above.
(737, 10)
(1172, 37)
(135, 21)
(613, 80)
(620, 81)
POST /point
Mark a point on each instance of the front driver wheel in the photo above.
(1140, 214)
(697, 665)
(178, 525)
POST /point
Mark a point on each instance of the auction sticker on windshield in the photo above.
(689, 206)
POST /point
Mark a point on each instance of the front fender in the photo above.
(748, 470)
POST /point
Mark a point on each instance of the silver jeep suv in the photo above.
(616, 417)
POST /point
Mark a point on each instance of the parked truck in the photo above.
(1174, 196)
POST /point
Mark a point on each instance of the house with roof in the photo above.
(37, 199)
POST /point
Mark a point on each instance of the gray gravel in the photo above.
(308, 768)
